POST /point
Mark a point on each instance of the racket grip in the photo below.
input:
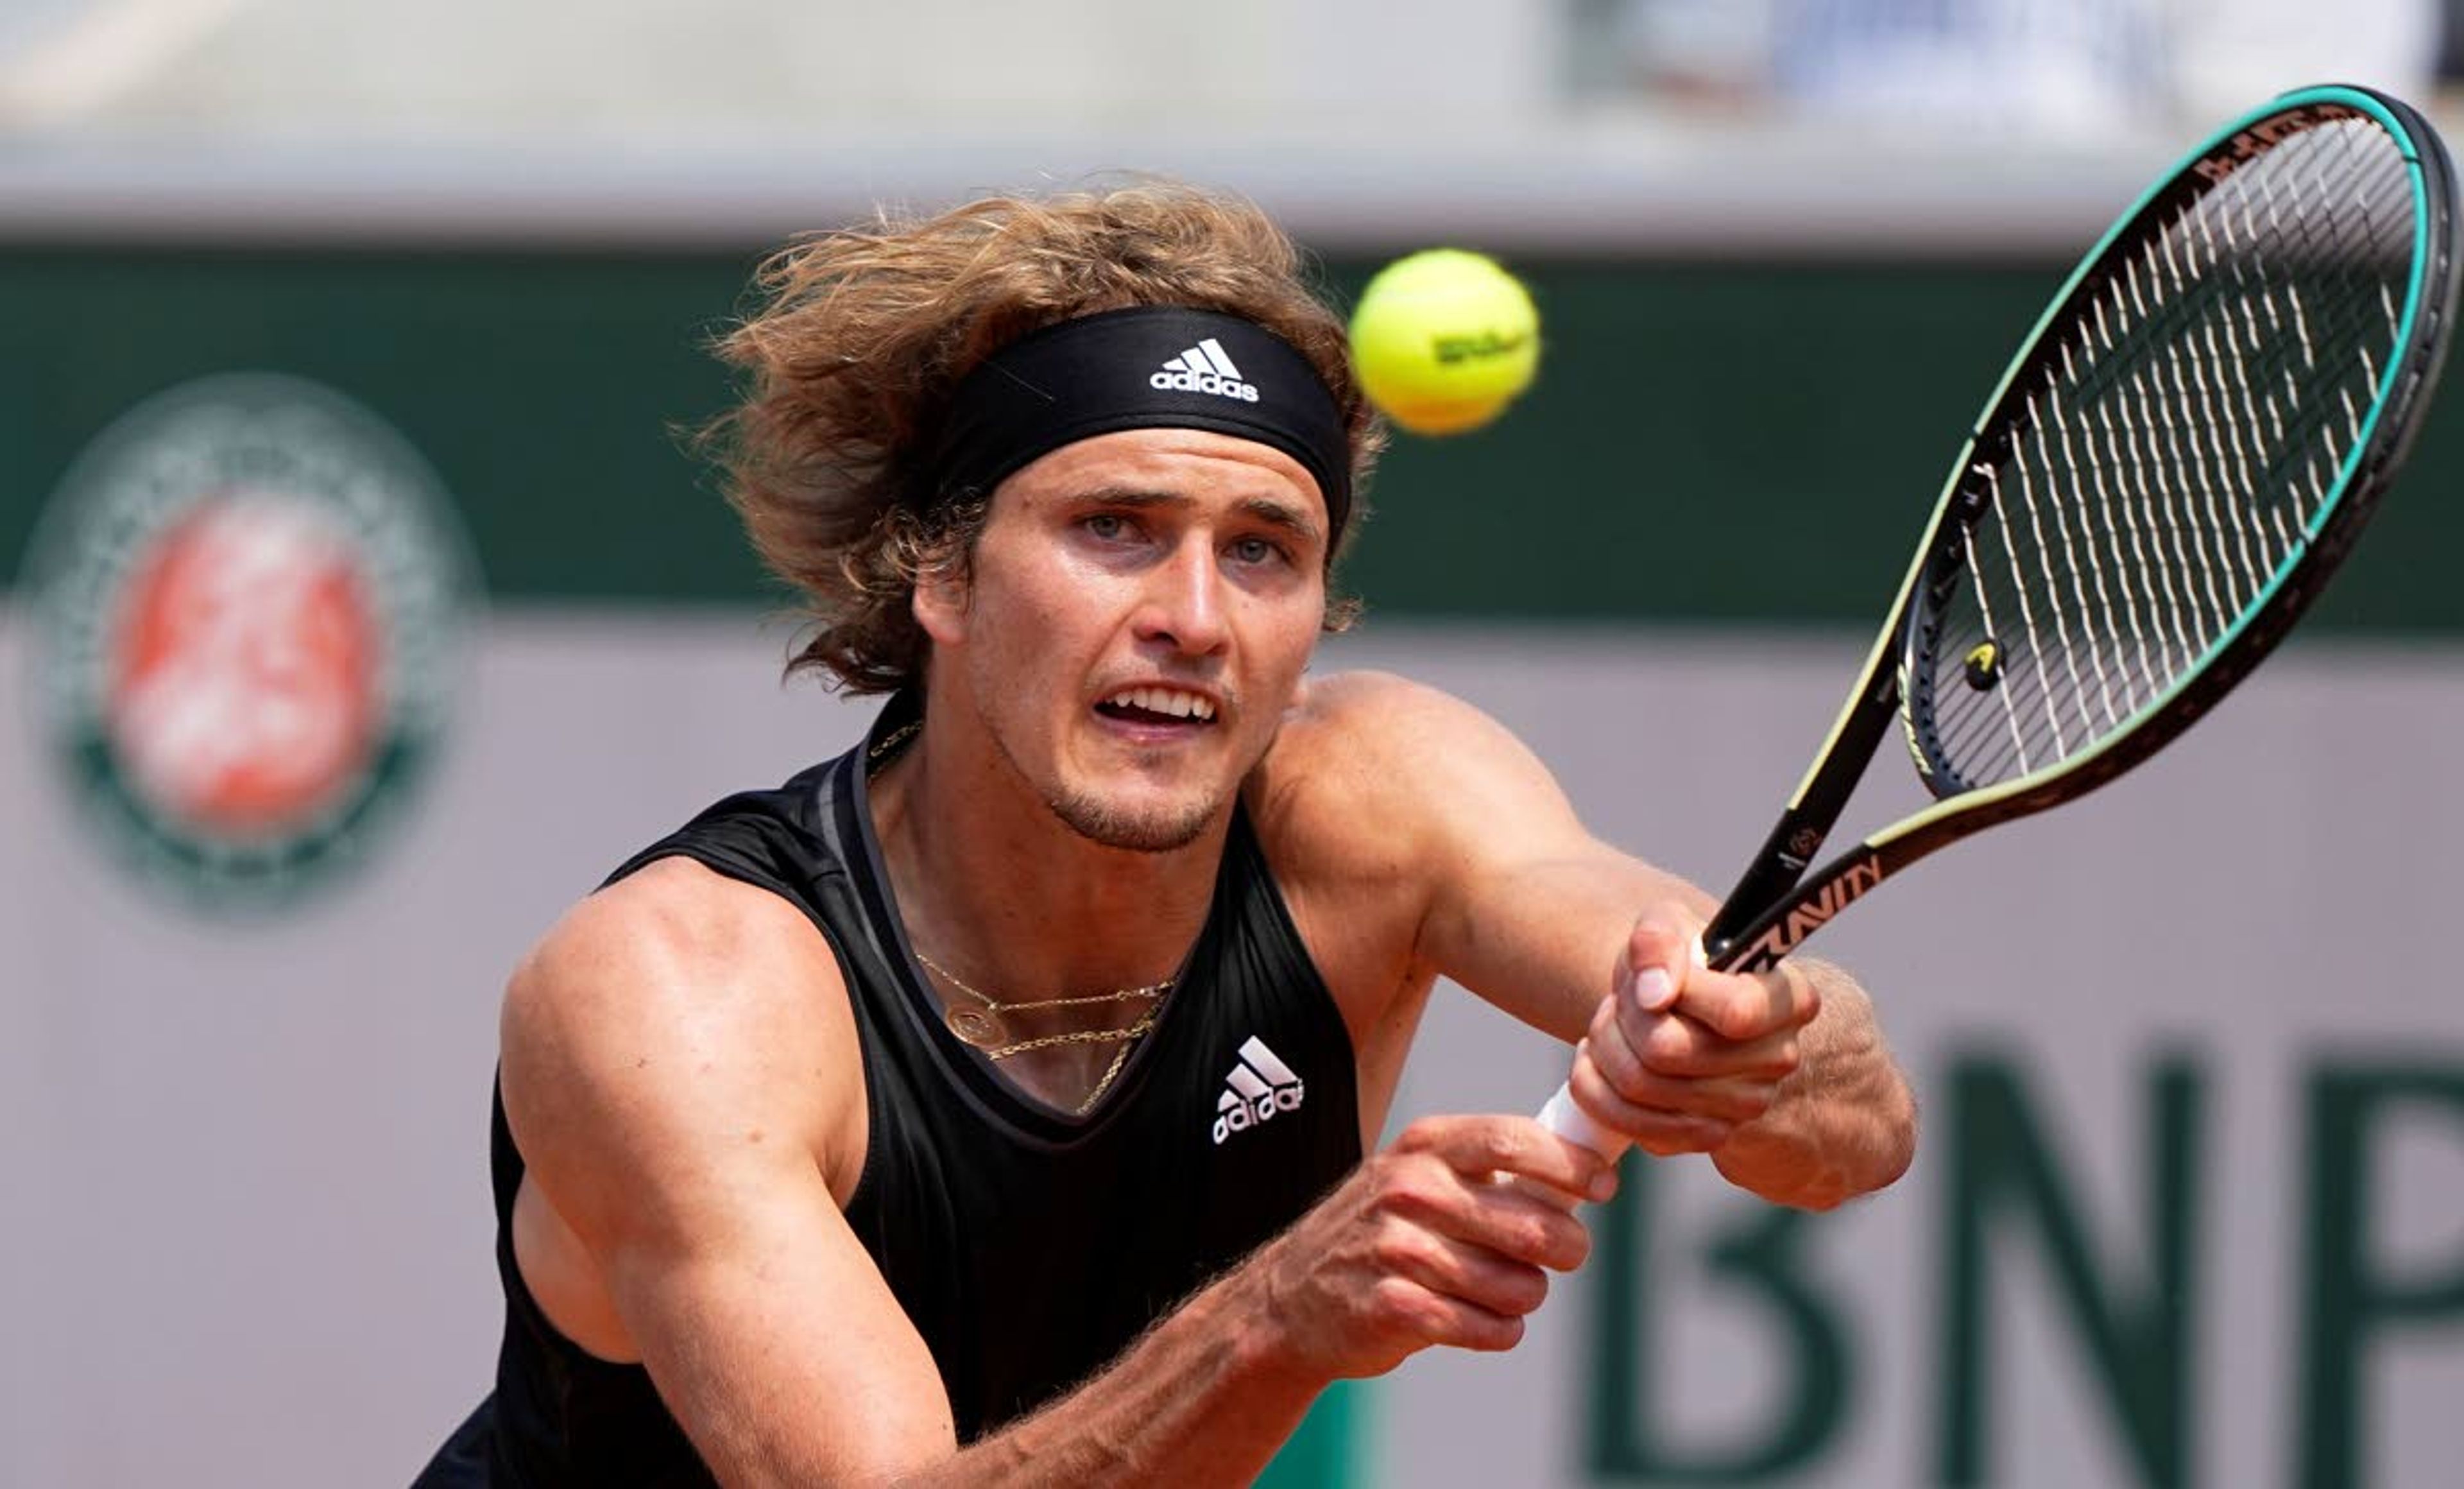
(1562, 1117)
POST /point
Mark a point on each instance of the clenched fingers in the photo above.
(1678, 1046)
(1462, 1271)
(1404, 1306)
(1658, 1132)
(1530, 1229)
(1739, 1007)
(1732, 1092)
(1485, 1147)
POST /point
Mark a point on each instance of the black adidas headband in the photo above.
(1146, 366)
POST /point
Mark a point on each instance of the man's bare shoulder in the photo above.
(672, 1003)
(674, 941)
(1385, 748)
(1370, 774)
(1374, 774)
(1363, 718)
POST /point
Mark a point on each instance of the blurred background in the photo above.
(361, 606)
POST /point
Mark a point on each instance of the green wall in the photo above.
(1709, 442)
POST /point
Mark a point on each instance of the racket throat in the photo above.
(1771, 877)
(1780, 931)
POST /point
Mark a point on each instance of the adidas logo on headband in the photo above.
(1108, 372)
(1203, 368)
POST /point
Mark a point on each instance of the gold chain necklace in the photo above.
(1120, 1057)
(983, 1028)
(877, 756)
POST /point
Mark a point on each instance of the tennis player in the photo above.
(996, 1103)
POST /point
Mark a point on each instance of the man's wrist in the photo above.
(1266, 1352)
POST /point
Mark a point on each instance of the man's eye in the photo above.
(1107, 525)
(1256, 550)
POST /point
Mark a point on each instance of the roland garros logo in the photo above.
(247, 597)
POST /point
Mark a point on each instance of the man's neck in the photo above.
(994, 885)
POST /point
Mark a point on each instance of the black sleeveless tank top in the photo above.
(1028, 1246)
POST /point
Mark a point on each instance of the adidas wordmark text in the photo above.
(1257, 1087)
(1204, 369)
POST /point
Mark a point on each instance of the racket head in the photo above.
(2182, 452)
(1923, 655)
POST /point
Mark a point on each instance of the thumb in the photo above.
(1658, 956)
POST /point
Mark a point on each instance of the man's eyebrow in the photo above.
(1132, 497)
(1285, 515)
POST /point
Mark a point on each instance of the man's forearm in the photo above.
(1419, 1247)
(1844, 1122)
(1202, 1398)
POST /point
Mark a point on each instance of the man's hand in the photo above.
(1423, 1245)
(1678, 1056)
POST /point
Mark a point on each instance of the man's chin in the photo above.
(1136, 827)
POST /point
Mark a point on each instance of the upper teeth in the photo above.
(1163, 701)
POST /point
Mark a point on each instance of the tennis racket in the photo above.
(2177, 459)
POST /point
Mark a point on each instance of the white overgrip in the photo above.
(1562, 1117)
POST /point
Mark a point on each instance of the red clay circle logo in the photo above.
(242, 686)
(247, 595)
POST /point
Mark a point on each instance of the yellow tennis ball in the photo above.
(1443, 340)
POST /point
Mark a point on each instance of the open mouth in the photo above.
(1158, 706)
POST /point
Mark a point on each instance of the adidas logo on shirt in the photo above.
(1203, 368)
(1257, 1087)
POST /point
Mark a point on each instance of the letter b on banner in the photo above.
(1755, 1254)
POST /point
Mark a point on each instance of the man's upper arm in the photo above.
(679, 1071)
(1523, 904)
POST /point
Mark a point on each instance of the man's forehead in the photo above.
(1166, 460)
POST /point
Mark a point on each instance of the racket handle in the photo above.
(1562, 1117)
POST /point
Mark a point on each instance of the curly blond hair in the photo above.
(860, 336)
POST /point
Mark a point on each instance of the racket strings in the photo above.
(2174, 452)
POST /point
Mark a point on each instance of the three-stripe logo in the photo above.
(1258, 1086)
(1204, 369)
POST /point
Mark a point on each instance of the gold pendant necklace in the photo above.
(976, 1026)
(983, 1028)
